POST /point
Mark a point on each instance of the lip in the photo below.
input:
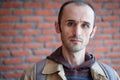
(76, 40)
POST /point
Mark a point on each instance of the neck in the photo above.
(74, 58)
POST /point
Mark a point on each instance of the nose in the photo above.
(77, 30)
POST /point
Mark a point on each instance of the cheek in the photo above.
(66, 32)
(86, 36)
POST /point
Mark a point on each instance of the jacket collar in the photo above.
(52, 67)
(97, 72)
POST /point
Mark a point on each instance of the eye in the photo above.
(85, 25)
(70, 23)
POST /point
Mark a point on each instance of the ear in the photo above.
(57, 28)
(93, 32)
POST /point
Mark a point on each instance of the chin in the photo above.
(75, 48)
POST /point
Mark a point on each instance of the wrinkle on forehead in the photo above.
(78, 13)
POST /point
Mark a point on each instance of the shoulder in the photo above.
(40, 65)
(28, 73)
(104, 71)
(31, 70)
(109, 71)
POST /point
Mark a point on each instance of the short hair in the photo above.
(77, 2)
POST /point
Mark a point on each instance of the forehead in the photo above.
(78, 12)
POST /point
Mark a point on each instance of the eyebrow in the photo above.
(85, 22)
(70, 20)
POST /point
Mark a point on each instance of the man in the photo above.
(76, 24)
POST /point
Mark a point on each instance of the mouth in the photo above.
(76, 40)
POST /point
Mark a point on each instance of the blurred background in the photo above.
(27, 33)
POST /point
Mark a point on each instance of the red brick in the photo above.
(104, 12)
(111, 18)
(22, 39)
(88, 1)
(111, 5)
(117, 61)
(13, 75)
(45, 12)
(30, 32)
(11, 46)
(31, 19)
(9, 19)
(116, 11)
(116, 24)
(98, 31)
(97, 5)
(113, 55)
(98, 56)
(103, 37)
(15, 46)
(5, 40)
(6, 26)
(101, 49)
(33, 59)
(4, 54)
(116, 0)
(52, 5)
(61, 1)
(51, 19)
(95, 43)
(11, 5)
(23, 26)
(101, 0)
(53, 45)
(117, 36)
(44, 39)
(13, 61)
(106, 61)
(42, 52)
(5, 12)
(8, 33)
(45, 25)
(14, 67)
(32, 46)
(98, 19)
(21, 67)
(116, 49)
(43, 1)
(112, 30)
(20, 53)
(103, 24)
(32, 5)
(111, 42)
(47, 31)
(88, 50)
(116, 67)
(22, 12)
(5, 68)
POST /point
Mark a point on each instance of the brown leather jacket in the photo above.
(50, 70)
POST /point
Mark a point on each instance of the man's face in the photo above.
(76, 26)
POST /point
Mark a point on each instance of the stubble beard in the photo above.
(72, 47)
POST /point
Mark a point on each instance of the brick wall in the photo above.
(27, 33)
